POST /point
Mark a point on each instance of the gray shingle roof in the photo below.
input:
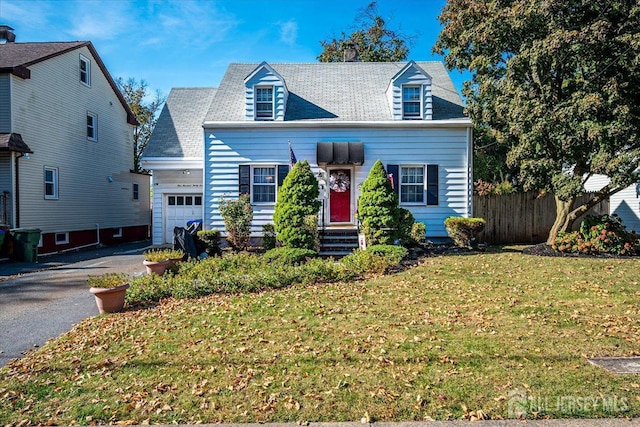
(178, 132)
(25, 54)
(339, 91)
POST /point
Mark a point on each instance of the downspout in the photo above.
(17, 192)
(470, 169)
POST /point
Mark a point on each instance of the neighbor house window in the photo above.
(136, 192)
(85, 71)
(62, 238)
(50, 183)
(92, 127)
(412, 184)
(264, 102)
(411, 100)
(264, 184)
(117, 232)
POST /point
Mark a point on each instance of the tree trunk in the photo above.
(563, 221)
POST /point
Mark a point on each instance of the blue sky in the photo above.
(189, 43)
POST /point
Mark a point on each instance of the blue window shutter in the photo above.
(244, 179)
(283, 171)
(432, 184)
(394, 171)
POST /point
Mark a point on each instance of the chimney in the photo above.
(6, 34)
(351, 53)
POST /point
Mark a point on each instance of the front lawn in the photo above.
(459, 336)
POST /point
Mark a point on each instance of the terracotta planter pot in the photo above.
(110, 300)
(156, 267)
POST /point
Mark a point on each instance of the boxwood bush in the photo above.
(209, 241)
(292, 256)
(464, 231)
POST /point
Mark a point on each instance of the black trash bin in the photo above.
(27, 240)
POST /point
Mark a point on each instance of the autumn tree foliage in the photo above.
(558, 83)
(297, 203)
(373, 39)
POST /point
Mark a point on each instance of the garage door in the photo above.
(180, 209)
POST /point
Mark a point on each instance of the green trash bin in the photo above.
(27, 239)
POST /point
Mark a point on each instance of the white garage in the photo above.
(180, 208)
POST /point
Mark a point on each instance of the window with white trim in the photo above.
(264, 102)
(92, 127)
(62, 238)
(412, 184)
(85, 71)
(411, 100)
(117, 232)
(264, 184)
(50, 183)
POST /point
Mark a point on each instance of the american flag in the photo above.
(292, 157)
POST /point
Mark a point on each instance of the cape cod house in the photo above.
(341, 117)
(66, 147)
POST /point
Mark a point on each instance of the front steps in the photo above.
(338, 242)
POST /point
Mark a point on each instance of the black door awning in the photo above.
(340, 153)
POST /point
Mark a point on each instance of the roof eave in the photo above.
(446, 123)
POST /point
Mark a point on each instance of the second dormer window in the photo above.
(264, 102)
(411, 100)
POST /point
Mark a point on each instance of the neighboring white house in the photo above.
(341, 118)
(175, 154)
(625, 203)
(66, 147)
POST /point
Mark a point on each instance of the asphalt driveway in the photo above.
(40, 301)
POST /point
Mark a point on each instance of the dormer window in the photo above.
(411, 102)
(264, 102)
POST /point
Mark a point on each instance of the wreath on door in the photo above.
(339, 182)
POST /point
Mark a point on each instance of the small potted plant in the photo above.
(157, 260)
(109, 290)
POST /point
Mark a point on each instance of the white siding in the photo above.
(170, 182)
(225, 150)
(625, 203)
(95, 182)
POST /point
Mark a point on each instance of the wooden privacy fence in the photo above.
(522, 217)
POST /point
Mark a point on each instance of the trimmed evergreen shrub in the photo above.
(268, 237)
(288, 256)
(209, 240)
(418, 232)
(237, 215)
(395, 254)
(405, 224)
(297, 199)
(378, 207)
(464, 231)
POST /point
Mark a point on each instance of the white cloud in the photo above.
(100, 20)
(289, 32)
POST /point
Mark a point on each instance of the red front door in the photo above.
(340, 195)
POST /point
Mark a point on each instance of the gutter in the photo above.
(391, 124)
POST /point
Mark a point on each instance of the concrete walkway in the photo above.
(40, 301)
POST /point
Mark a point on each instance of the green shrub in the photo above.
(288, 256)
(159, 255)
(405, 224)
(360, 263)
(237, 215)
(378, 207)
(297, 199)
(268, 237)
(599, 235)
(464, 231)
(148, 288)
(394, 254)
(108, 280)
(418, 232)
(210, 241)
